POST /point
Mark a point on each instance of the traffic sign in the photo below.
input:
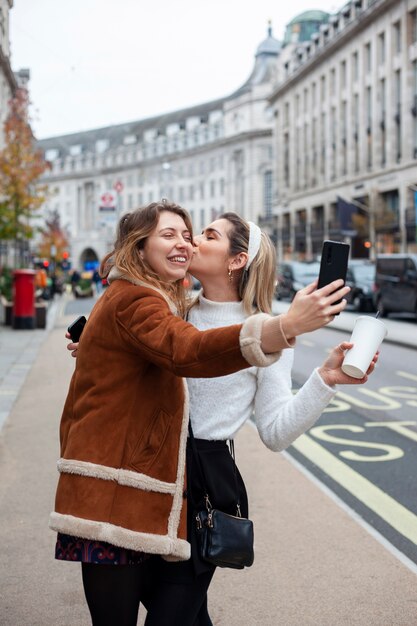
(108, 201)
(118, 186)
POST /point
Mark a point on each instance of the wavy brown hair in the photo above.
(257, 285)
(133, 230)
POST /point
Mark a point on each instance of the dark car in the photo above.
(396, 284)
(293, 276)
(360, 277)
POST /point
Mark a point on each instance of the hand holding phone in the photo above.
(334, 263)
(76, 328)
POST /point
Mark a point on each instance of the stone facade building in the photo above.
(8, 83)
(345, 136)
(210, 158)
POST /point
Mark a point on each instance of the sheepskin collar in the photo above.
(116, 274)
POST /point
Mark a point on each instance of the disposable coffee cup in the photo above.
(367, 335)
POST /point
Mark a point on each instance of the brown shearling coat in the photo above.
(124, 424)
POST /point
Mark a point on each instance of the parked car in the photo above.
(360, 277)
(293, 276)
(395, 288)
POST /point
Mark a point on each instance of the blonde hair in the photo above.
(133, 230)
(257, 284)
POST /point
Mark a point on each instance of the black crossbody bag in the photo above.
(224, 540)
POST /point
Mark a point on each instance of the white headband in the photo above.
(254, 243)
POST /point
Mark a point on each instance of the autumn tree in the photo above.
(54, 239)
(21, 166)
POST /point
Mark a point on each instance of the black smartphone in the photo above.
(334, 263)
(76, 328)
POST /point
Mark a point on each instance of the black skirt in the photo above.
(225, 489)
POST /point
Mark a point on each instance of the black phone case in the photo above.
(334, 263)
(76, 328)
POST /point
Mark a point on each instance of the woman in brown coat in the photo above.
(124, 424)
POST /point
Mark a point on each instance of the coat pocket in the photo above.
(151, 442)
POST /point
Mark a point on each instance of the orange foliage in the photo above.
(21, 165)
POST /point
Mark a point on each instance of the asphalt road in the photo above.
(364, 447)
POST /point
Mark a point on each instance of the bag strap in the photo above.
(203, 479)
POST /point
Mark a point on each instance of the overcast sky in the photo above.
(95, 63)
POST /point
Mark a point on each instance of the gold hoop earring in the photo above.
(230, 275)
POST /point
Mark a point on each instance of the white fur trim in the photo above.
(250, 342)
(178, 501)
(120, 476)
(116, 274)
(174, 548)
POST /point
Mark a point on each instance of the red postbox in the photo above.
(24, 315)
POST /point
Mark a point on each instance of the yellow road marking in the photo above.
(391, 511)
(406, 375)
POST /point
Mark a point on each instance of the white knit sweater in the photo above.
(220, 406)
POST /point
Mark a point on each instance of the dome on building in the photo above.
(265, 63)
(304, 25)
(270, 45)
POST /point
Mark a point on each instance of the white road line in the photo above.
(391, 511)
(306, 342)
(406, 375)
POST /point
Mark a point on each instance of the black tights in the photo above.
(113, 594)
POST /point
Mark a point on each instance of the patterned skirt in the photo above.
(69, 548)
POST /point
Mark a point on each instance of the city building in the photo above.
(345, 134)
(210, 158)
(8, 82)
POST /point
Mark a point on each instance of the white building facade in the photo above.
(345, 135)
(209, 158)
(7, 79)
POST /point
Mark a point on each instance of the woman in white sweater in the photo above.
(235, 264)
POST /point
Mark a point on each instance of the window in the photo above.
(397, 37)
(191, 192)
(323, 88)
(332, 81)
(268, 193)
(212, 188)
(355, 66)
(343, 74)
(382, 104)
(287, 114)
(201, 188)
(368, 58)
(356, 127)
(369, 126)
(413, 26)
(202, 218)
(381, 48)
(221, 184)
(397, 117)
(414, 109)
(75, 150)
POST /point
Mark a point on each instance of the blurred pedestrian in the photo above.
(131, 355)
(97, 280)
(75, 280)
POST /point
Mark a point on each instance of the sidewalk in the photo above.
(314, 564)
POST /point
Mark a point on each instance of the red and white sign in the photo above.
(108, 201)
(118, 186)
